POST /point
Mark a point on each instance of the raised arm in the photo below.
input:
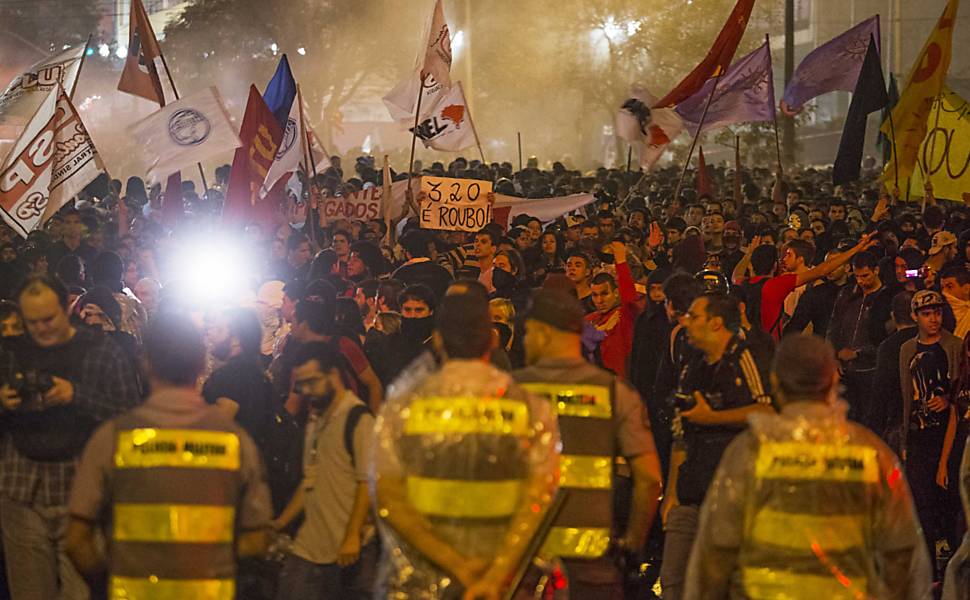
(835, 262)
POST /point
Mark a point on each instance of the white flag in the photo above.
(433, 68)
(650, 130)
(290, 153)
(186, 131)
(449, 125)
(24, 95)
(437, 55)
(49, 164)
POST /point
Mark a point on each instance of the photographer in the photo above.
(718, 389)
(66, 381)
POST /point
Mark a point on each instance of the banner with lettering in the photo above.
(364, 205)
(50, 163)
(455, 204)
(945, 152)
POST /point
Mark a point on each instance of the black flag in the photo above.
(869, 96)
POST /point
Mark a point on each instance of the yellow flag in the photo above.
(944, 155)
(924, 84)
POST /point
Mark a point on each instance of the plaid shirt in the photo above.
(104, 386)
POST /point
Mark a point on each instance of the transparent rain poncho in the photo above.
(463, 456)
(956, 584)
(808, 505)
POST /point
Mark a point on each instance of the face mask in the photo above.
(417, 328)
(502, 279)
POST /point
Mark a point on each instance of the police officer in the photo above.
(807, 504)
(465, 465)
(182, 485)
(600, 419)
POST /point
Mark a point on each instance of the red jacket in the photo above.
(618, 324)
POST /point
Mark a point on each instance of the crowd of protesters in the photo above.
(685, 297)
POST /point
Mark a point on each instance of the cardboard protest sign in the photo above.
(455, 204)
(364, 205)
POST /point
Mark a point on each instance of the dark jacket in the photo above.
(815, 307)
(885, 404)
(860, 322)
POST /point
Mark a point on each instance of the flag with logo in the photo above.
(52, 160)
(431, 74)
(140, 75)
(648, 130)
(24, 95)
(923, 86)
(833, 66)
(187, 131)
(718, 57)
(260, 135)
(449, 127)
(281, 99)
(869, 96)
(744, 94)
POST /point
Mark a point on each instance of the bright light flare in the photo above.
(121, 52)
(457, 43)
(104, 51)
(213, 271)
(301, 51)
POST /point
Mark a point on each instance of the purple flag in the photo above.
(833, 66)
(744, 94)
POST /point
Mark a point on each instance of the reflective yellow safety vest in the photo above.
(807, 521)
(465, 458)
(582, 529)
(173, 522)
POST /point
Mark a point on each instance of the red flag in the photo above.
(140, 76)
(172, 201)
(703, 181)
(718, 58)
(261, 136)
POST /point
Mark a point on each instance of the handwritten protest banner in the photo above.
(364, 205)
(455, 204)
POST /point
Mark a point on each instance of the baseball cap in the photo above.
(941, 239)
(732, 228)
(557, 308)
(926, 298)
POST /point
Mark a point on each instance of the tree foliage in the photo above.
(48, 25)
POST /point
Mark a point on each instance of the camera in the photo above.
(684, 401)
(30, 384)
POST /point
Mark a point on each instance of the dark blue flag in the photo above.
(280, 92)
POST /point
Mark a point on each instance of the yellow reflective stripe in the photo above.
(466, 415)
(186, 448)
(186, 523)
(775, 584)
(589, 472)
(153, 588)
(575, 400)
(576, 542)
(832, 533)
(826, 462)
(459, 498)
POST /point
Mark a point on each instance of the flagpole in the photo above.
(171, 82)
(693, 143)
(472, 122)
(892, 134)
(308, 156)
(414, 139)
(737, 171)
(781, 170)
(518, 134)
(629, 157)
(77, 77)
